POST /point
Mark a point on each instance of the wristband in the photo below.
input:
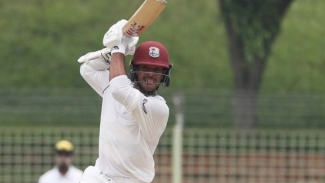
(119, 49)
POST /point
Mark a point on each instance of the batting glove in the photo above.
(115, 39)
(131, 46)
(99, 60)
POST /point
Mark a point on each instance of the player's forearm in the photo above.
(117, 67)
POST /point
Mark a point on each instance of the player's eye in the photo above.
(158, 70)
(143, 68)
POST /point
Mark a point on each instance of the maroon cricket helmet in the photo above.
(151, 53)
(154, 54)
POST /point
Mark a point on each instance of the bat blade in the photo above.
(144, 17)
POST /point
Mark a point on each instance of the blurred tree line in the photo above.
(42, 39)
(251, 27)
(272, 46)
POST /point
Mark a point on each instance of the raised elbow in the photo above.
(118, 92)
(122, 90)
(83, 72)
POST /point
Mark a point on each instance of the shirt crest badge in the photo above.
(143, 106)
(154, 52)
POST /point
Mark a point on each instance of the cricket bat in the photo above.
(144, 17)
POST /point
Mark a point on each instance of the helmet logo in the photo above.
(154, 52)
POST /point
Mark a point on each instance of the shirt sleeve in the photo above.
(98, 80)
(41, 179)
(151, 113)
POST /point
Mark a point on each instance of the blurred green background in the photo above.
(41, 41)
(43, 98)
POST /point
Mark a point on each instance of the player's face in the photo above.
(149, 77)
(63, 160)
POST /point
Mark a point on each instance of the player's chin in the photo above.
(150, 87)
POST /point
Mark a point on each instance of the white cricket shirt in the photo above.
(54, 176)
(130, 126)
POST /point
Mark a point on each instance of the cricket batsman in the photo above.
(133, 115)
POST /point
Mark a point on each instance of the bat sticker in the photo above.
(144, 17)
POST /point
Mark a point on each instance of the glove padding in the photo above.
(98, 60)
(132, 42)
(103, 54)
(115, 37)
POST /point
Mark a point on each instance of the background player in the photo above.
(133, 115)
(64, 171)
